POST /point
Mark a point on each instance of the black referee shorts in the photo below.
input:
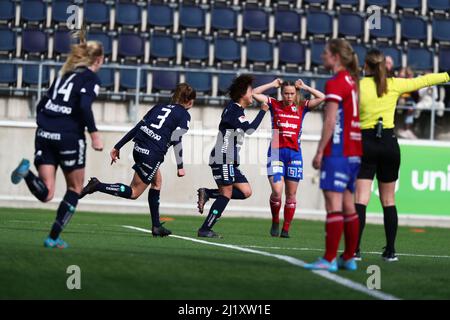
(381, 156)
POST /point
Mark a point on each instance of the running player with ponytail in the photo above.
(338, 156)
(63, 113)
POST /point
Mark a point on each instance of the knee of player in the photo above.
(134, 194)
(247, 193)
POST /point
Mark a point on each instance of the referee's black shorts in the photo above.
(381, 156)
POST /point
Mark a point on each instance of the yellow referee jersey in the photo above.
(371, 107)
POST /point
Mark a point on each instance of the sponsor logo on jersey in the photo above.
(296, 162)
(57, 108)
(242, 119)
(150, 133)
(141, 150)
(287, 125)
(49, 135)
(337, 128)
(294, 109)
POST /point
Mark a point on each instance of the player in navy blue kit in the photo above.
(162, 127)
(63, 113)
(224, 158)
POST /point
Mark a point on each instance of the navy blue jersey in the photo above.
(232, 129)
(66, 107)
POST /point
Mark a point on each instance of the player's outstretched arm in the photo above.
(319, 96)
(274, 84)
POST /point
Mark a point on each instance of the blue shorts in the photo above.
(339, 173)
(146, 163)
(286, 163)
(227, 174)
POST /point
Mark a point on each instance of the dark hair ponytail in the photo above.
(376, 63)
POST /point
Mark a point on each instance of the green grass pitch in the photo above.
(119, 263)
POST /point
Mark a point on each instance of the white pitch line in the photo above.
(294, 261)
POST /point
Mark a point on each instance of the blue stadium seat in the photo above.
(291, 52)
(227, 49)
(96, 12)
(361, 51)
(59, 11)
(200, 81)
(192, 18)
(225, 80)
(128, 14)
(159, 16)
(394, 53)
(223, 19)
(106, 76)
(164, 80)
(131, 45)
(62, 41)
(8, 73)
(255, 20)
(316, 2)
(420, 59)
(104, 38)
(347, 3)
(162, 46)
(441, 29)
(320, 84)
(31, 75)
(259, 51)
(287, 22)
(387, 29)
(351, 24)
(7, 41)
(438, 5)
(409, 4)
(380, 3)
(319, 23)
(195, 48)
(128, 79)
(7, 11)
(413, 28)
(316, 52)
(444, 59)
(33, 11)
(34, 41)
(264, 79)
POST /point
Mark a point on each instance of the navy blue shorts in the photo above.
(67, 150)
(339, 173)
(285, 162)
(227, 174)
(146, 163)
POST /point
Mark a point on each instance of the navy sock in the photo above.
(115, 189)
(215, 212)
(361, 210)
(212, 193)
(390, 226)
(36, 186)
(153, 203)
(64, 213)
(237, 194)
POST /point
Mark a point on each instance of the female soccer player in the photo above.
(379, 95)
(224, 159)
(160, 128)
(285, 161)
(339, 155)
(62, 115)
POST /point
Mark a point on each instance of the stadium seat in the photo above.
(259, 51)
(96, 13)
(316, 52)
(315, 2)
(438, 5)
(200, 81)
(8, 73)
(131, 46)
(104, 38)
(106, 76)
(319, 24)
(413, 28)
(34, 41)
(62, 42)
(287, 22)
(347, 3)
(420, 59)
(128, 14)
(31, 75)
(7, 11)
(7, 41)
(227, 50)
(223, 19)
(291, 53)
(59, 11)
(263, 79)
(195, 49)
(128, 79)
(192, 18)
(163, 48)
(159, 16)
(444, 59)
(361, 51)
(164, 80)
(441, 29)
(409, 5)
(320, 84)
(394, 53)
(255, 21)
(387, 30)
(33, 11)
(380, 3)
(225, 80)
(351, 25)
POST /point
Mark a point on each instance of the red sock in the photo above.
(333, 229)
(289, 211)
(275, 205)
(351, 232)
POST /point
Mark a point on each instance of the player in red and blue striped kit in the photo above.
(285, 161)
(339, 156)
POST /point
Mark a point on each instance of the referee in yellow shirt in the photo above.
(381, 152)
